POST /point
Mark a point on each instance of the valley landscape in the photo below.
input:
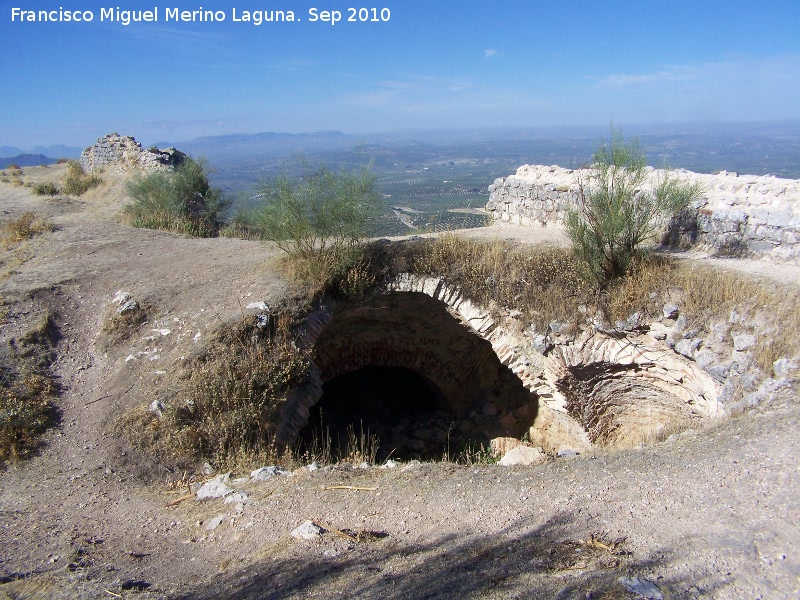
(437, 300)
(705, 509)
(437, 173)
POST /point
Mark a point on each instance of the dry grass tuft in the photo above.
(117, 327)
(361, 447)
(706, 294)
(545, 282)
(345, 274)
(45, 189)
(27, 392)
(25, 227)
(26, 410)
(77, 182)
(226, 410)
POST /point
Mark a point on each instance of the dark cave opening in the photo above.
(405, 410)
(401, 367)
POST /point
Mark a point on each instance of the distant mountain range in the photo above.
(240, 160)
(264, 144)
(26, 160)
(57, 150)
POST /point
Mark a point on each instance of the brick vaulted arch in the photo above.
(485, 377)
(417, 325)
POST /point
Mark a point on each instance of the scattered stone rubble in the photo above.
(121, 153)
(125, 303)
(738, 215)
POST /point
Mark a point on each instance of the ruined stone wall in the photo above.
(739, 215)
(121, 153)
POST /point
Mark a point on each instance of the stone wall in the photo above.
(739, 215)
(121, 153)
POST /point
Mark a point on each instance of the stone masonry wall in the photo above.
(741, 215)
(120, 153)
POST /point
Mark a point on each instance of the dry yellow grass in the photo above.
(225, 410)
(548, 283)
(544, 282)
(24, 227)
(706, 294)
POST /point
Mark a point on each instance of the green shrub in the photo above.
(319, 219)
(618, 210)
(45, 189)
(77, 182)
(176, 200)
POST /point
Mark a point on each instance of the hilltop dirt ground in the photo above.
(711, 513)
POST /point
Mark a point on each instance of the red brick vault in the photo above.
(422, 365)
(415, 374)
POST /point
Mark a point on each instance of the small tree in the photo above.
(619, 207)
(318, 213)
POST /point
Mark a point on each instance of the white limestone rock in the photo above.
(523, 456)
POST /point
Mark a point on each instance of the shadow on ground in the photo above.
(553, 561)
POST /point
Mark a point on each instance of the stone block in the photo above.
(743, 341)
(779, 218)
(687, 347)
(523, 456)
(502, 445)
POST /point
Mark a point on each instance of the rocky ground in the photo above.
(712, 512)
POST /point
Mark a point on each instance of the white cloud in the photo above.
(489, 53)
(374, 98)
(665, 74)
(414, 93)
(771, 68)
(738, 88)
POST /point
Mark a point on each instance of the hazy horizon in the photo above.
(442, 135)
(413, 64)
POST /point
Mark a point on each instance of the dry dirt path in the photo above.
(711, 513)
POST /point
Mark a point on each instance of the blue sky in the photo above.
(432, 65)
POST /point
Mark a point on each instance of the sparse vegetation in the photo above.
(225, 412)
(26, 391)
(706, 294)
(45, 189)
(549, 284)
(25, 412)
(616, 210)
(227, 407)
(545, 282)
(77, 182)
(24, 227)
(119, 327)
(180, 200)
